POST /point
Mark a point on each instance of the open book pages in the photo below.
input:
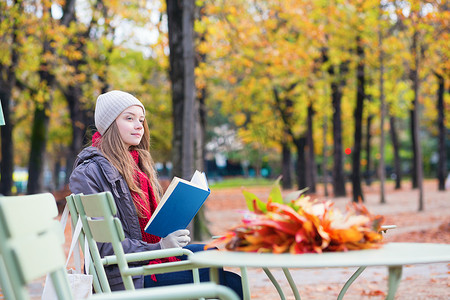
(183, 198)
(199, 179)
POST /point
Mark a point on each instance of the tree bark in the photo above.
(39, 137)
(337, 83)
(7, 83)
(360, 95)
(300, 144)
(182, 63)
(79, 116)
(442, 162)
(310, 162)
(286, 166)
(201, 111)
(39, 131)
(200, 130)
(396, 148)
(415, 120)
(413, 129)
(284, 106)
(176, 72)
(338, 169)
(368, 173)
(7, 166)
(382, 170)
(325, 156)
(189, 88)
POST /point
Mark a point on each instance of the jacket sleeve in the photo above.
(88, 179)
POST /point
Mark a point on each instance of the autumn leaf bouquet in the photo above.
(299, 224)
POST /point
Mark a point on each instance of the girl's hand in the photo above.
(176, 239)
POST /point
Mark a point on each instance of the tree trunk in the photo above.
(415, 120)
(79, 116)
(300, 144)
(56, 171)
(310, 162)
(360, 95)
(201, 230)
(325, 157)
(189, 88)
(367, 172)
(338, 170)
(337, 83)
(442, 162)
(39, 136)
(39, 131)
(284, 106)
(182, 63)
(286, 169)
(176, 72)
(396, 148)
(201, 115)
(7, 166)
(382, 170)
(413, 129)
(200, 131)
(7, 83)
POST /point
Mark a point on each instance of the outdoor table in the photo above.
(392, 255)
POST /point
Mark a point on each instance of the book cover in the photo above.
(179, 204)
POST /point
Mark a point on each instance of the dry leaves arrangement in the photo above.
(299, 224)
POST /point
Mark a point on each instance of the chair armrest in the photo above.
(173, 292)
(147, 255)
(166, 267)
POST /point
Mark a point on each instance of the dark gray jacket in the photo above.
(93, 173)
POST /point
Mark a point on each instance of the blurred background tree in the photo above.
(271, 87)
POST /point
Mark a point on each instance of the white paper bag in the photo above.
(80, 283)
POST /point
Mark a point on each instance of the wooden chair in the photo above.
(97, 213)
(31, 247)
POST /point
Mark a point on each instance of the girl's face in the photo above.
(131, 125)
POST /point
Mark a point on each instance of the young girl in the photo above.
(119, 161)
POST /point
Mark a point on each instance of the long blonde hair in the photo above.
(117, 153)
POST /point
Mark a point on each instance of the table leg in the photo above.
(214, 275)
(275, 283)
(395, 275)
(349, 282)
(291, 283)
(245, 285)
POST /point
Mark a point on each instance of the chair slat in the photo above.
(20, 214)
(36, 258)
(95, 206)
(100, 230)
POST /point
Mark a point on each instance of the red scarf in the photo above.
(149, 202)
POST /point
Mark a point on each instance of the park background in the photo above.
(346, 97)
(324, 92)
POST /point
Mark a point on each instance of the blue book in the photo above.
(179, 204)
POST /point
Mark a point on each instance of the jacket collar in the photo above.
(92, 153)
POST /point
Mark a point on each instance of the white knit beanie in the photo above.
(110, 105)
